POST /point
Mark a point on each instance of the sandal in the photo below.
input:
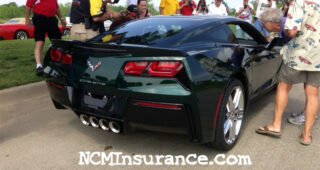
(304, 142)
(266, 131)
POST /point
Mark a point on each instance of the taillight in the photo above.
(135, 67)
(165, 68)
(67, 59)
(55, 55)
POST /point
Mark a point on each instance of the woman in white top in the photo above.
(202, 8)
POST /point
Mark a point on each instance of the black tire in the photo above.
(66, 32)
(222, 141)
(21, 35)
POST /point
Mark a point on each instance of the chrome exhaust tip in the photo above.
(94, 122)
(104, 124)
(84, 119)
(114, 127)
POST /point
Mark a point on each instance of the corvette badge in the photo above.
(93, 67)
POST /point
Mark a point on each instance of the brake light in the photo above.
(165, 68)
(55, 55)
(135, 67)
(67, 59)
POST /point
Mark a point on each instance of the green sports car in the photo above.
(186, 74)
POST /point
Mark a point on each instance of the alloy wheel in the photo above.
(234, 115)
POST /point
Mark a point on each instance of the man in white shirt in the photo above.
(244, 11)
(218, 8)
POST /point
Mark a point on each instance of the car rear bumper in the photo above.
(145, 114)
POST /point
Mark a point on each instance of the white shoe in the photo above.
(298, 118)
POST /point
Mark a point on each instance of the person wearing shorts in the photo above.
(301, 64)
(44, 21)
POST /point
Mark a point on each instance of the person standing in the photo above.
(44, 21)
(244, 11)
(87, 17)
(218, 8)
(143, 10)
(169, 7)
(202, 8)
(301, 59)
(187, 7)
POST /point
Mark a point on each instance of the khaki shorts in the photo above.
(78, 32)
(292, 76)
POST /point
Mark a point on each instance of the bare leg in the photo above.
(312, 104)
(279, 106)
(38, 51)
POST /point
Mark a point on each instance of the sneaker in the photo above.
(297, 118)
(294, 114)
(39, 71)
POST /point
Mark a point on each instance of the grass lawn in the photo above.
(17, 63)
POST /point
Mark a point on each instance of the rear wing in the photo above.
(135, 50)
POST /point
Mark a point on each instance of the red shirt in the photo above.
(187, 10)
(44, 7)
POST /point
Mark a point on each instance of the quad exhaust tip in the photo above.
(104, 124)
(114, 127)
(94, 122)
(84, 119)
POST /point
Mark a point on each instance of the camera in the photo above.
(245, 6)
(203, 8)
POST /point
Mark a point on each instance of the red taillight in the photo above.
(67, 59)
(135, 67)
(165, 68)
(55, 85)
(55, 55)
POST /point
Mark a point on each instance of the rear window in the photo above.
(146, 32)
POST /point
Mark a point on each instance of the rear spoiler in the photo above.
(135, 50)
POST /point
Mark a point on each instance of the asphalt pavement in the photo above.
(34, 135)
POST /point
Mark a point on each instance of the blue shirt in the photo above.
(282, 33)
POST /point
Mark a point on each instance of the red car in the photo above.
(16, 29)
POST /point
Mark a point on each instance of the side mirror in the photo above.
(275, 42)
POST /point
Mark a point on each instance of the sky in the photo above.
(231, 3)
